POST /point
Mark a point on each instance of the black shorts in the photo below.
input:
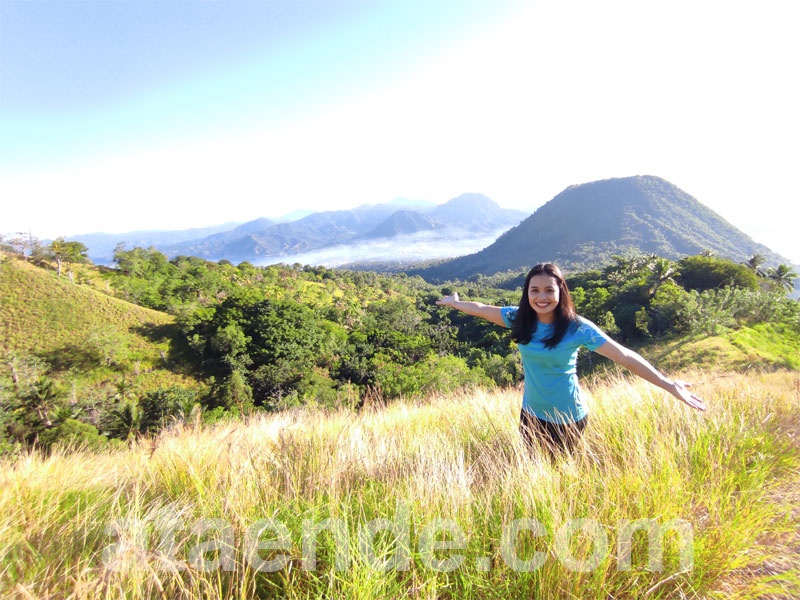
(553, 437)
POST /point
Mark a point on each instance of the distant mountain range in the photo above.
(582, 227)
(101, 245)
(585, 225)
(469, 214)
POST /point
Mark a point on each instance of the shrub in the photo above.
(161, 407)
(75, 434)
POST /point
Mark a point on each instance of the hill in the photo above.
(77, 333)
(585, 225)
(402, 222)
(762, 346)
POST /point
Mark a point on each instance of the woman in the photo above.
(549, 333)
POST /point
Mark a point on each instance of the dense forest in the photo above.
(248, 338)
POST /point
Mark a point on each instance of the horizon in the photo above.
(422, 245)
(130, 116)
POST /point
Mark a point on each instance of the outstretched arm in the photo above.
(635, 363)
(476, 309)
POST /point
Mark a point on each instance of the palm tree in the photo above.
(782, 277)
(754, 264)
(624, 268)
(662, 271)
(126, 416)
(42, 398)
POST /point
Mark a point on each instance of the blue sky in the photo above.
(81, 77)
(120, 115)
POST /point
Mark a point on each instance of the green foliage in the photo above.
(502, 370)
(235, 393)
(125, 420)
(754, 264)
(74, 434)
(782, 277)
(716, 309)
(709, 272)
(668, 310)
(64, 252)
(162, 407)
(642, 320)
(34, 408)
(280, 336)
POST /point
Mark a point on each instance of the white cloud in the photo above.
(413, 247)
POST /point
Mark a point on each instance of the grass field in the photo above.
(119, 524)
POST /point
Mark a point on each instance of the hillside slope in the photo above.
(79, 331)
(585, 225)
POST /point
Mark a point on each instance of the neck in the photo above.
(547, 319)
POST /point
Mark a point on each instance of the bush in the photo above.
(75, 434)
(162, 407)
(667, 306)
(709, 272)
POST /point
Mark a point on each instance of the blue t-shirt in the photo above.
(552, 392)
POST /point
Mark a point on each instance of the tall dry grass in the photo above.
(459, 457)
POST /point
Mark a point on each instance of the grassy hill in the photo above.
(77, 332)
(761, 346)
(119, 523)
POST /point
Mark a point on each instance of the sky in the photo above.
(168, 114)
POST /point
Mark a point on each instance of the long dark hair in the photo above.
(524, 325)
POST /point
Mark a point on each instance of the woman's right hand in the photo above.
(448, 300)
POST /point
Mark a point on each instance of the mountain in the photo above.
(468, 213)
(252, 227)
(101, 245)
(402, 222)
(585, 225)
(475, 211)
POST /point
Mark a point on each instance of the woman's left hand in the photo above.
(681, 392)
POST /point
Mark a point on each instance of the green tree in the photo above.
(624, 268)
(161, 407)
(666, 307)
(67, 252)
(273, 342)
(237, 394)
(141, 274)
(782, 277)
(754, 264)
(709, 272)
(39, 402)
(661, 271)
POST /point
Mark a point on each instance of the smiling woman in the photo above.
(549, 334)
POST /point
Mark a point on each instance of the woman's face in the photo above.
(543, 295)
